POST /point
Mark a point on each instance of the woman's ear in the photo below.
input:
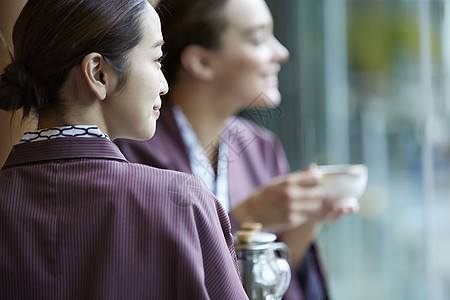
(98, 74)
(198, 62)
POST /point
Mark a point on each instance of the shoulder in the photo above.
(243, 133)
(182, 189)
(249, 128)
(254, 146)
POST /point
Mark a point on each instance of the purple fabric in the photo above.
(255, 157)
(78, 221)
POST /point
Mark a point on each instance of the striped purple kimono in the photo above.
(78, 221)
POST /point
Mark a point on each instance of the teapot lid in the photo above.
(257, 240)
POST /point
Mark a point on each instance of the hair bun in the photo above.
(17, 75)
(6, 80)
(21, 88)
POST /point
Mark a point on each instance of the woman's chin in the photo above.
(269, 98)
(275, 96)
(149, 134)
(142, 135)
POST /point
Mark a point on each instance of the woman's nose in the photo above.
(163, 85)
(281, 53)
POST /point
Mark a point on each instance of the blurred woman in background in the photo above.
(222, 57)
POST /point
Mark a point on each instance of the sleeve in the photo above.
(216, 271)
(222, 278)
(282, 164)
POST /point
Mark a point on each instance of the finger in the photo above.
(306, 207)
(347, 209)
(305, 178)
(302, 194)
(312, 210)
(329, 212)
(312, 166)
(338, 212)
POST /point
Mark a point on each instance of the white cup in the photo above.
(344, 184)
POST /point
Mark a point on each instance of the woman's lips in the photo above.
(271, 76)
(156, 110)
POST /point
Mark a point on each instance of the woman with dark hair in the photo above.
(77, 220)
(222, 58)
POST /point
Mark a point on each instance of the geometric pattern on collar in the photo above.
(65, 131)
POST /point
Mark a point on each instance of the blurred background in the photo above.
(368, 82)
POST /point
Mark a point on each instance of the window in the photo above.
(368, 82)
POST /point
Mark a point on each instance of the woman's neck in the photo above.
(54, 119)
(207, 116)
(49, 120)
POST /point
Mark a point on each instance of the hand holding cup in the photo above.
(344, 184)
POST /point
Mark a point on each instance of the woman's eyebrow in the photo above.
(259, 27)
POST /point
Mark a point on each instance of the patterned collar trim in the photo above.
(66, 131)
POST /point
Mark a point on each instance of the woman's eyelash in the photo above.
(161, 59)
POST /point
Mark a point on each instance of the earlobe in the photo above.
(94, 72)
(196, 60)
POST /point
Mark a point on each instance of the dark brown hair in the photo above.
(50, 37)
(189, 22)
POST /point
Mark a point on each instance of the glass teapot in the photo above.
(263, 265)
